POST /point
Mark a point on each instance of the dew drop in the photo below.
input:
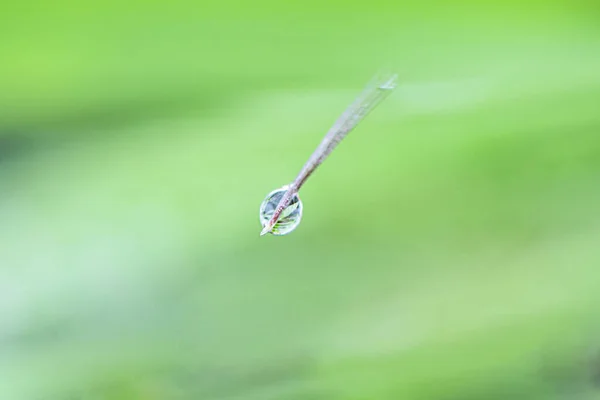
(289, 218)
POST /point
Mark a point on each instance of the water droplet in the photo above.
(289, 218)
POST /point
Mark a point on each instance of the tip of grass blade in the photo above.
(266, 230)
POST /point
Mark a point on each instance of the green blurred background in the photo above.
(449, 247)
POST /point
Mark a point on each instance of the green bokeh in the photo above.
(448, 250)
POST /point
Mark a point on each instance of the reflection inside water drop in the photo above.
(290, 217)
